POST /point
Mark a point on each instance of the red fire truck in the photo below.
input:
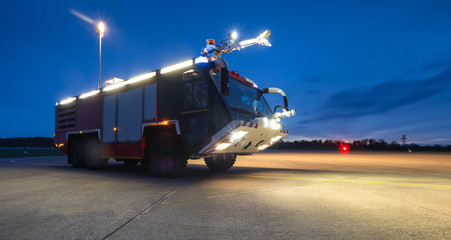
(193, 109)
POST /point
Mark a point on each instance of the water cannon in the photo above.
(213, 52)
(262, 39)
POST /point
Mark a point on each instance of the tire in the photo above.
(76, 157)
(165, 156)
(130, 162)
(220, 162)
(92, 155)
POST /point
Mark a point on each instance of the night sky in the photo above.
(351, 69)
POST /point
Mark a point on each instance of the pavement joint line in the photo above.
(213, 196)
(349, 181)
(141, 213)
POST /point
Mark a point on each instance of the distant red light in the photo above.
(344, 149)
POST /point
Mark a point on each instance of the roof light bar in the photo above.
(67, 100)
(114, 86)
(177, 66)
(141, 77)
(88, 94)
(131, 80)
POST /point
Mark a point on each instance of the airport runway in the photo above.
(275, 195)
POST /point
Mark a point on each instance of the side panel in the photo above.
(150, 103)
(109, 119)
(128, 150)
(65, 117)
(121, 150)
(107, 149)
(65, 121)
(123, 115)
(170, 94)
(88, 113)
(129, 116)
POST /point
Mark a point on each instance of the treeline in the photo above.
(23, 142)
(364, 144)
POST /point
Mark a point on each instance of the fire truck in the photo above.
(190, 110)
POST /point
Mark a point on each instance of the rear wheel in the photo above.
(76, 157)
(165, 156)
(92, 155)
(220, 162)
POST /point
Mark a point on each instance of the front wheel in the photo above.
(220, 162)
(165, 156)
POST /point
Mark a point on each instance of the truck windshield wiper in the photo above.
(243, 110)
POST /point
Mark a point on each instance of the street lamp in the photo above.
(100, 31)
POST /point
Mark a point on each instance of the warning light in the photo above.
(344, 148)
(115, 129)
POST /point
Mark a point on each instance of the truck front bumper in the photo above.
(244, 137)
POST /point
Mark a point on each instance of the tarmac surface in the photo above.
(273, 195)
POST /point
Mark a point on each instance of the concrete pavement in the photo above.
(275, 195)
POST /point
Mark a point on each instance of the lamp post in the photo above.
(100, 31)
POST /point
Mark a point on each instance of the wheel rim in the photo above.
(165, 161)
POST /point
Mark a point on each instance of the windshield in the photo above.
(243, 99)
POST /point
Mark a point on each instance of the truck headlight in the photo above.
(222, 146)
(237, 135)
(274, 125)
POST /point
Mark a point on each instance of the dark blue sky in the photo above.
(352, 69)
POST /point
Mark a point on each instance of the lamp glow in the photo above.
(233, 35)
(100, 29)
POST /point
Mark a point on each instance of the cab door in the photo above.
(195, 113)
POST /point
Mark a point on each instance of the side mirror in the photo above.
(224, 76)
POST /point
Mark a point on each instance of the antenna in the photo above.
(404, 138)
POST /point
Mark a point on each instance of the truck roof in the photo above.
(150, 75)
